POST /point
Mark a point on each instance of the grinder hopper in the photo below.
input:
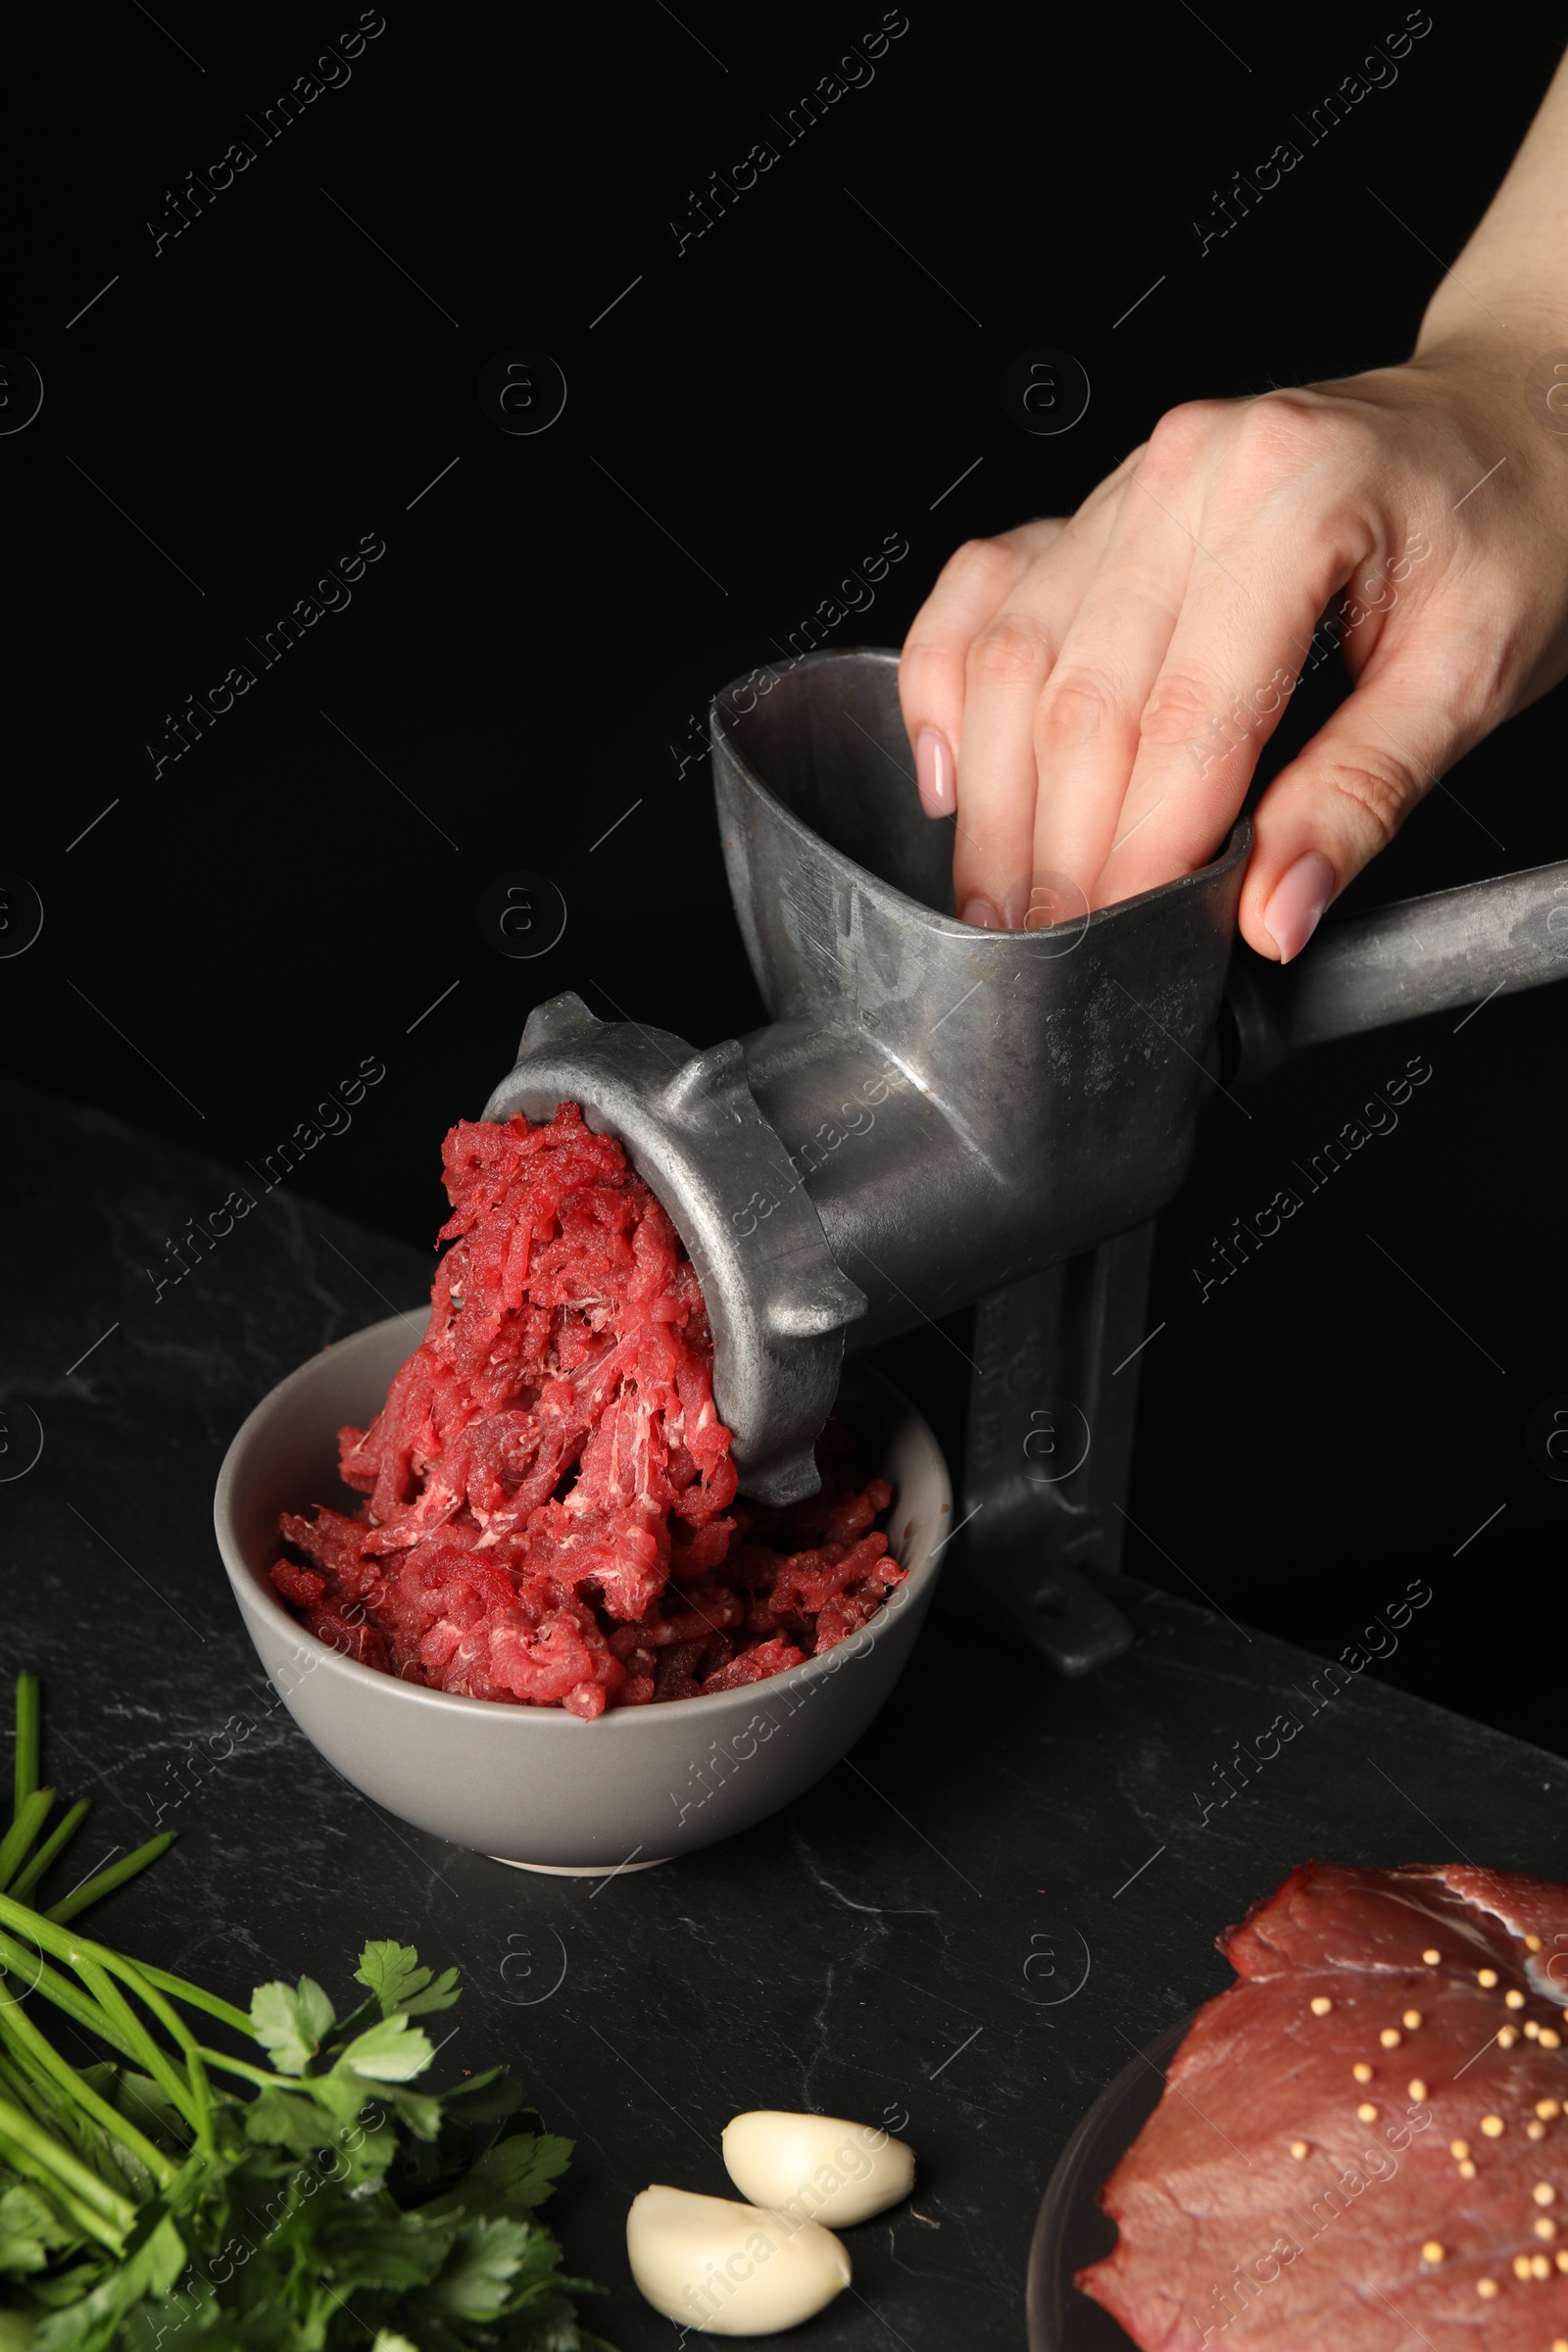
(937, 1114)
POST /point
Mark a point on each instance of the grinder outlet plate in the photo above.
(690, 1126)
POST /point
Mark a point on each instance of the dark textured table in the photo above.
(1011, 1886)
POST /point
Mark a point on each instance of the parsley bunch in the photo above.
(321, 2205)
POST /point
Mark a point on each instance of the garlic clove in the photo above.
(726, 2269)
(816, 2166)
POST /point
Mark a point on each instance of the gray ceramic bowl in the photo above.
(533, 1784)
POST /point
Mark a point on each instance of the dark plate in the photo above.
(1071, 2230)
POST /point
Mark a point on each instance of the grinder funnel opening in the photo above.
(827, 740)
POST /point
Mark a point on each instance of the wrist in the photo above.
(1511, 382)
(1495, 329)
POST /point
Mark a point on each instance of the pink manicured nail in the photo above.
(983, 915)
(933, 774)
(1296, 907)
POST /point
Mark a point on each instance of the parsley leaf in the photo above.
(291, 2022)
(390, 2052)
(394, 1975)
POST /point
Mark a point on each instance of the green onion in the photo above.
(26, 1738)
(31, 1814)
(51, 1847)
(29, 2148)
(103, 1881)
(17, 2029)
(195, 1996)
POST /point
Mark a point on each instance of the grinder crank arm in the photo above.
(1427, 955)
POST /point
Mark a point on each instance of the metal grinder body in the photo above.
(936, 1114)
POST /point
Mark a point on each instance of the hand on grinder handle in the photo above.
(1091, 695)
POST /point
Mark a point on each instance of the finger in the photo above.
(1232, 663)
(970, 588)
(1346, 795)
(1008, 664)
(1086, 730)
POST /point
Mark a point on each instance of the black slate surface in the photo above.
(969, 1924)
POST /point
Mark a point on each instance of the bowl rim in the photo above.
(250, 1590)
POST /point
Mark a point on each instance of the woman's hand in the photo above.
(1091, 695)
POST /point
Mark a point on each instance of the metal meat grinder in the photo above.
(936, 1115)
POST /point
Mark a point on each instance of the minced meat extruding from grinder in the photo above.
(1361, 2144)
(548, 1483)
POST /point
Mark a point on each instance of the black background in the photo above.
(742, 427)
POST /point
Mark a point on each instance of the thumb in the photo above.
(1341, 801)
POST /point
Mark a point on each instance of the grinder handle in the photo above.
(1427, 955)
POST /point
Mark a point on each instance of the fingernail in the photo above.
(1014, 906)
(982, 914)
(1297, 906)
(933, 773)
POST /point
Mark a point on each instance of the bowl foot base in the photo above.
(582, 1870)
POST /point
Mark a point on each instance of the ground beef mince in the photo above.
(550, 1508)
(1361, 2144)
